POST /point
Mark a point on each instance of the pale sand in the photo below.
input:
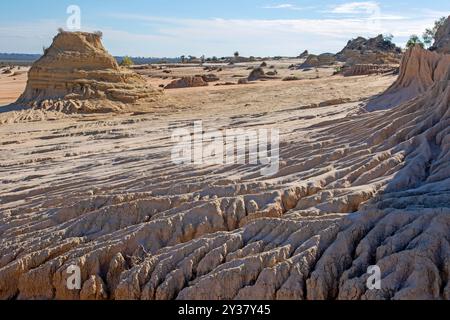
(11, 87)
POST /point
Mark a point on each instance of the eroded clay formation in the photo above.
(419, 71)
(76, 74)
(367, 69)
(360, 56)
(370, 189)
(370, 51)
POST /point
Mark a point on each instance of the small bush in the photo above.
(291, 78)
(98, 33)
(430, 34)
(127, 62)
(413, 41)
(388, 37)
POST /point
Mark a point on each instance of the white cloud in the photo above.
(356, 8)
(165, 36)
(217, 36)
(284, 6)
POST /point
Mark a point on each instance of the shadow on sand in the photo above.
(12, 107)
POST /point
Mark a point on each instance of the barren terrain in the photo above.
(12, 86)
(354, 189)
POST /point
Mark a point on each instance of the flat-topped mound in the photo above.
(77, 74)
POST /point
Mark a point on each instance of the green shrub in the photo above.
(413, 41)
(126, 62)
(430, 34)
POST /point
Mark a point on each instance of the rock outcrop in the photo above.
(370, 51)
(7, 71)
(304, 55)
(372, 44)
(210, 78)
(256, 74)
(76, 74)
(367, 69)
(188, 82)
(442, 41)
(315, 61)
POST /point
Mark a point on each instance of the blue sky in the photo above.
(253, 27)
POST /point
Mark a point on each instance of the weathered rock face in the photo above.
(256, 74)
(442, 42)
(370, 51)
(210, 78)
(373, 44)
(352, 57)
(304, 55)
(314, 61)
(420, 70)
(367, 69)
(188, 82)
(76, 74)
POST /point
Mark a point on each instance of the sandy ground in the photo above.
(12, 85)
(50, 150)
(353, 189)
(217, 98)
(101, 192)
(42, 160)
(266, 95)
